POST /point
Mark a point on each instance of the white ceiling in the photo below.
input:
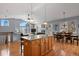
(53, 10)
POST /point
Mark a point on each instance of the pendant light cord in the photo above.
(31, 9)
(6, 13)
(45, 12)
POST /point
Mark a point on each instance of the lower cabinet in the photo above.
(36, 47)
(27, 48)
(43, 47)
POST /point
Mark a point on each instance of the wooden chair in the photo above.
(54, 35)
(75, 38)
(68, 38)
(59, 37)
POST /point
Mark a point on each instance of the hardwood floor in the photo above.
(10, 49)
(58, 49)
(64, 49)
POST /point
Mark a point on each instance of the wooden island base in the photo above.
(37, 47)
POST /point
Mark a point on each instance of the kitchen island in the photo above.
(36, 45)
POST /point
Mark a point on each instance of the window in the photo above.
(4, 22)
(23, 24)
(23, 27)
(56, 27)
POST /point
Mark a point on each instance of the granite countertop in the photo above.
(34, 37)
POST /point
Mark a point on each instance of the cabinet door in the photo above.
(42, 46)
(27, 48)
(47, 46)
(36, 47)
(50, 43)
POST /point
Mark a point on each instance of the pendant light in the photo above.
(64, 13)
(28, 17)
(30, 14)
(6, 13)
(45, 22)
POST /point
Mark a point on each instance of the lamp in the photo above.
(6, 13)
(30, 19)
(45, 22)
(64, 13)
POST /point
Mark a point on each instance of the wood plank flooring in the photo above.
(64, 49)
(58, 49)
(10, 49)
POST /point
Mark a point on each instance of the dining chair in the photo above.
(75, 38)
(68, 38)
